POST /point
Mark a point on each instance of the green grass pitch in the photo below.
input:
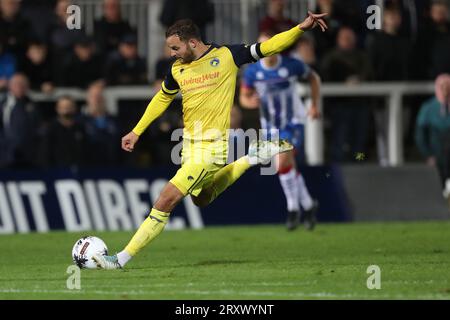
(258, 262)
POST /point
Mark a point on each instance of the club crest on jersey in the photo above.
(214, 62)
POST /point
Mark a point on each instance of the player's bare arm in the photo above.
(248, 98)
(314, 82)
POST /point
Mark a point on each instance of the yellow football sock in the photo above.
(149, 230)
(226, 176)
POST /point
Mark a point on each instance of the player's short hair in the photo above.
(185, 29)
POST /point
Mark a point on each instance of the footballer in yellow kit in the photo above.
(205, 75)
(208, 96)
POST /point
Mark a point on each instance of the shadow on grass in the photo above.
(197, 264)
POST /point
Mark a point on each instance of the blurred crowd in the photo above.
(38, 52)
(41, 46)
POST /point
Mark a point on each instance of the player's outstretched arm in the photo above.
(284, 40)
(155, 108)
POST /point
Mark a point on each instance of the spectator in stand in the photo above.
(275, 20)
(37, 67)
(341, 13)
(326, 41)
(101, 128)
(40, 15)
(162, 65)
(110, 28)
(414, 15)
(83, 66)
(349, 116)
(61, 39)
(64, 142)
(431, 52)
(389, 52)
(14, 29)
(125, 66)
(305, 51)
(7, 66)
(201, 12)
(433, 128)
(440, 45)
(169, 120)
(17, 125)
(352, 13)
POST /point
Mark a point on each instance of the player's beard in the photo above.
(188, 57)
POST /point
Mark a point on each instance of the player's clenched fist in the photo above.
(129, 141)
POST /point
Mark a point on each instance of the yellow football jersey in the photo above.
(207, 87)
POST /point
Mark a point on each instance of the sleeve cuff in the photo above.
(136, 131)
(168, 91)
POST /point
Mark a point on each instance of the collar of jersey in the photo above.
(276, 66)
(212, 46)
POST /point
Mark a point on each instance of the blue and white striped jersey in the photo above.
(276, 86)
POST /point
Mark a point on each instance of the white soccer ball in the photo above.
(85, 248)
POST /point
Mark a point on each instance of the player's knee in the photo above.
(169, 198)
(285, 163)
(283, 169)
(166, 203)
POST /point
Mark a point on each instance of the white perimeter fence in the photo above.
(393, 92)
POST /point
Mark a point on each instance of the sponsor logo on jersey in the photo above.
(200, 79)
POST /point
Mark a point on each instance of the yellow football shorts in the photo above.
(200, 161)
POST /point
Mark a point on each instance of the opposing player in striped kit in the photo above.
(271, 85)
